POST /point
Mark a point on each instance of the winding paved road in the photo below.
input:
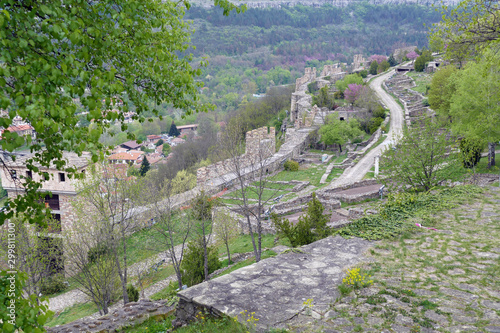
(358, 171)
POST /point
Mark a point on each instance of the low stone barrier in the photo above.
(131, 314)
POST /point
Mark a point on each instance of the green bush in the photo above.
(363, 73)
(310, 227)
(379, 112)
(425, 102)
(374, 124)
(470, 151)
(291, 165)
(193, 263)
(53, 284)
(97, 252)
(133, 293)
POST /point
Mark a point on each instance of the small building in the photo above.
(186, 129)
(129, 157)
(131, 145)
(177, 141)
(22, 129)
(153, 138)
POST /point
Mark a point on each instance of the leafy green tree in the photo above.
(392, 61)
(159, 143)
(468, 28)
(373, 68)
(475, 106)
(336, 131)
(421, 159)
(97, 53)
(383, 66)
(145, 166)
(349, 79)
(173, 131)
(424, 58)
(470, 151)
(20, 313)
(166, 149)
(442, 90)
(183, 181)
(192, 266)
(324, 99)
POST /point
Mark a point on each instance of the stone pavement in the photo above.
(276, 288)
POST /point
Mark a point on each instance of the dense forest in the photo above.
(265, 47)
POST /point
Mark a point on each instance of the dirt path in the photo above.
(357, 172)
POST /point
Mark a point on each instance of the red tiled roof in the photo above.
(126, 156)
(20, 128)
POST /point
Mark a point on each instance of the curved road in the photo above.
(358, 171)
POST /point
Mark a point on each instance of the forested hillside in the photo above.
(265, 47)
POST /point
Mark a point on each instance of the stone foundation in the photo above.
(133, 313)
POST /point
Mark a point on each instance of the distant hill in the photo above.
(319, 3)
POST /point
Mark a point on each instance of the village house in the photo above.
(128, 157)
(63, 191)
(186, 129)
(131, 145)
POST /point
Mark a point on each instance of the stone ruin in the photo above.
(400, 86)
(309, 76)
(330, 70)
(358, 62)
(260, 144)
(130, 314)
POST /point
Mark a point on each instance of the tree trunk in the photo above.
(340, 147)
(491, 154)
(228, 253)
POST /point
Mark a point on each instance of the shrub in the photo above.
(338, 95)
(425, 102)
(97, 252)
(133, 293)
(53, 284)
(363, 73)
(310, 227)
(193, 263)
(379, 112)
(470, 151)
(291, 165)
(374, 124)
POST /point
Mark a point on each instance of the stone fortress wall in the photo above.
(260, 144)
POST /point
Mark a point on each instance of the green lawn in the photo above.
(422, 80)
(253, 193)
(312, 174)
(73, 313)
(334, 174)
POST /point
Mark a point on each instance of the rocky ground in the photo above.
(444, 280)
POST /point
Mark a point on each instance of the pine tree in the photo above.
(392, 61)
(145, 166)
(173, 130)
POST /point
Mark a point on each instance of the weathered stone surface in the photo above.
(133, 312)
(276, 288)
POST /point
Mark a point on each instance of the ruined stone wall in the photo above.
(133, 313)
(309, 76)
(358, 62)
(260, 144)
(330, 70)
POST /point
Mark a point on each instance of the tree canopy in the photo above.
(102, 57)
(336, 131)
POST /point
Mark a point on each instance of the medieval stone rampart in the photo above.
(309, 76)
(260, 144)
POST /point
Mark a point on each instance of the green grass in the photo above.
(274, 186)
(312, 174)
(317, 151)
(73, 313)
(205, 323)
(252, 193)
(243, 244)
(265, 254)
(232, 202)
(422, 80)
(339, 159)
(334, 174)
